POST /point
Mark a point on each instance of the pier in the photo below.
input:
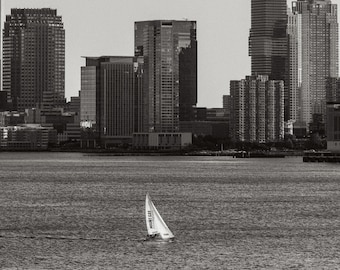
(321, 157)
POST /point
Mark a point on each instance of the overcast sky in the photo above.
(106, 27)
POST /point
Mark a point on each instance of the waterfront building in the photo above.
(257, 109)
(111, 96)
(169, 49)
(268, 38)
(65, 124)
(333, 126)
(161, 141)
(34, 58)
(313, 35)
(88, 85)
(27, 137)
(294, 83)
(3, 100)
(208, 122)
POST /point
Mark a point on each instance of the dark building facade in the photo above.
(111, 96)
(34, 58)
(268, 38)
(333, 126)
(333, 89)
(188, 80)
(169, 49)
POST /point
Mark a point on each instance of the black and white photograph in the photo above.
(157, 134)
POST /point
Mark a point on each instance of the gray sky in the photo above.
(106, 27)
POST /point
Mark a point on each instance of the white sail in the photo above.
(154, 222)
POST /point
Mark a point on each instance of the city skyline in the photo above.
(221, 57)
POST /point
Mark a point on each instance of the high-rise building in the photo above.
(169, 49)
(268, 38)
(34, 58)
(313, 34)
(294, 81)
(333, 126)
(257, 109)
(111, 95)
(333, 89)
(1, 51)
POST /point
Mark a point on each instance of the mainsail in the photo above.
(154, 222)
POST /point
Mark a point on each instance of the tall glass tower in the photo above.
(111, 88)
(169, 49)
(268, 38)
(313, 31)
(34, 58)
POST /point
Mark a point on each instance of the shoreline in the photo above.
(238, 154)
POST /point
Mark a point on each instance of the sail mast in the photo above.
(154, 222)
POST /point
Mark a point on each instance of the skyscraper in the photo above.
(313, 31)
(169, 49)
(268, 38)
(111, 91)
(0, 48)
(34, 58)
(294, 82)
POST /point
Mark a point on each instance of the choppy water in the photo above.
(74, 211)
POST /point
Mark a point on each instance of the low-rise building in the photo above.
(27, 137)
(170, 141)
(12, 118)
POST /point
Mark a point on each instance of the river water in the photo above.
(77, 211)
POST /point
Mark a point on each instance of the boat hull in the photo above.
(159, 240)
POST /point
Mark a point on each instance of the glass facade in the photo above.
(88, 97)
(34, 58)
(316, 25)
(294, 82)
(121, 87)
(111, 89)
(169, 49)
(268, 38)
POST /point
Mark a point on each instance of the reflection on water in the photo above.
(75, 211)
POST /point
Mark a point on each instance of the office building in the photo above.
(333, 126)
(257, 109)
(34, 58)
(111, 96)
(313, 34)
(2, 100)
(294, 82)
(27, 137)
(161, 141)
(169, 49)
(333, 89)
(268, 38)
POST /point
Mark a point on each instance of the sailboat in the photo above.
(157, 228)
